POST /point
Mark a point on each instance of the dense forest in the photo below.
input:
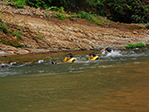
(128, 11)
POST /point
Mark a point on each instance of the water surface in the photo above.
(119, 84)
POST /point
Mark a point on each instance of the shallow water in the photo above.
(119, 84)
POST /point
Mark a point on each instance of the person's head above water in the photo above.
(108, 49)
(92, 55)
(69, 58)
(69, 55)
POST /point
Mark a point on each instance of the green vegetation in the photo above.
(19, 3)
(8, 40)
(141, 26)
(17, 34)
(131, 28)
(147, 26)
(98, 23)
(3, 27)
(18, 28)
(138, 45)
(85, 15)
(90, 17)
(61, 16)
(11, 42)
(39, 37)
(118, 10)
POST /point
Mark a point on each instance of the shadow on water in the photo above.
(119, 84)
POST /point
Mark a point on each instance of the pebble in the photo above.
(134, 32)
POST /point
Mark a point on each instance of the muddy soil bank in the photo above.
(44, 34)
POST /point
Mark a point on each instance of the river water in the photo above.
(120, 83)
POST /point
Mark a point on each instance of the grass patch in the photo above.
(90, 17)
(18, 28)
(11, 43)
(130, 46)
(17, 34)
(85, 15)
(98, 23)
(138, 45)
(39, 37)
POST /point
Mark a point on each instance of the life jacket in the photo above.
(94, 58)
(70, 60)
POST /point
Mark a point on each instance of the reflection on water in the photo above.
(119, 84)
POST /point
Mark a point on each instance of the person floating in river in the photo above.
(106, 50)
(93, 57)
(69, 58)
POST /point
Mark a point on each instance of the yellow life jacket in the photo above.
(94, 58)
(70, 60)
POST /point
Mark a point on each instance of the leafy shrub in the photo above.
(99, 23)
(61, 16)
(140, 45)
(76, 15)
(85, 15)
(147, 26)
(3, 27)
(52, 8)
(19, 3)
(130, 46)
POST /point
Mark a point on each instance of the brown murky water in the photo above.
(89, 87)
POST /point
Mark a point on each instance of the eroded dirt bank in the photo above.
(61, 35)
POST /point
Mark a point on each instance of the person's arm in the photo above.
(102, 50)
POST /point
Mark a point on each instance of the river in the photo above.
(120, 83)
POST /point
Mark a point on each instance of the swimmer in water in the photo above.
(68, 59)
(106, 50)
(93, 57)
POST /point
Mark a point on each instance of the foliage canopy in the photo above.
(118, 10)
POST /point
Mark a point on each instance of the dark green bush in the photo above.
(19, 3)
(130, 46)
(140, 45)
